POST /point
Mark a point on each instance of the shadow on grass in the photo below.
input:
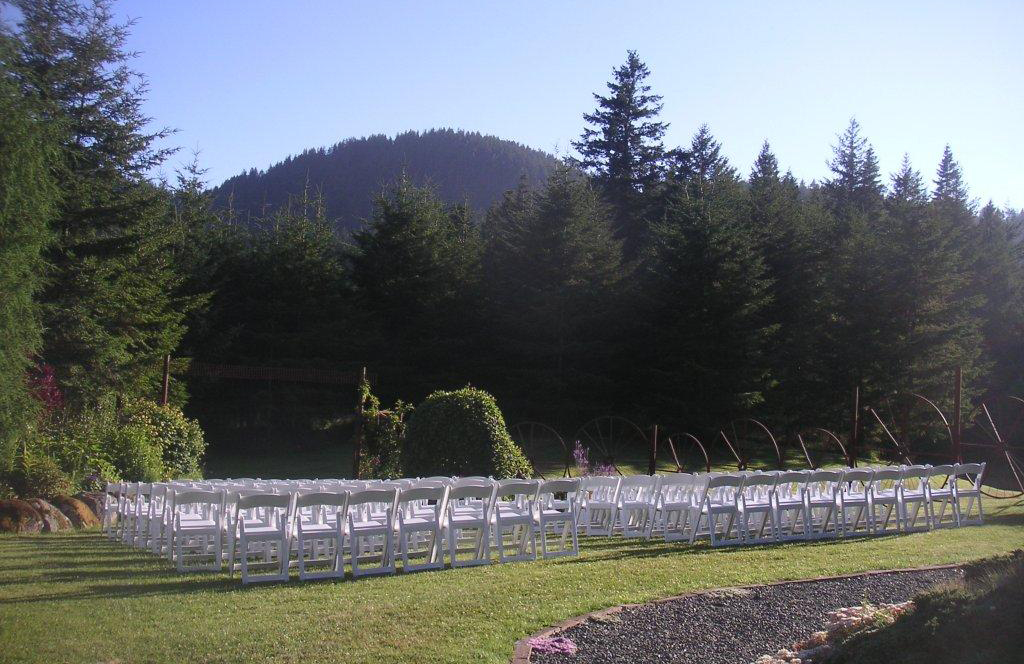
(92, 558)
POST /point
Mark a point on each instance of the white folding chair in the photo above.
(140, 519)
(371, 530)
(111, 502)
(323, 534)
(822, 503)
(792, 512)
(469, 520)
(638, 495)
(941, 496)
(515, 502)
(914, 497)
(969, 491)
(470, 506)
(265, 537)
(672, 506)
(757, 499)
(126, 512)
(556, 507)
(195, 529)
(885, 494)
(719, 502)
(421, 513)
(855, 495)
(599, 503)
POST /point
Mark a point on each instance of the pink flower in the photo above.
(553, 644)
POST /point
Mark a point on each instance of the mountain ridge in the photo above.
(462, 166)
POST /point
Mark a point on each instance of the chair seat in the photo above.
(197, 524)
(316, 528)
(256, 531)
(466, 517)
(371, 525)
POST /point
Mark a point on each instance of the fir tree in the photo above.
(554, 268)
(933, 329)
(28, 201)
(622, 149)
(415, 268)
(789, 232)
(998, 283)
(855, 186)
(110, 308)
(707, 293)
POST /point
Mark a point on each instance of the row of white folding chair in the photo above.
(196, 520)
(812, 504)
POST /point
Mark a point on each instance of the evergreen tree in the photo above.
(415, 268)
(110, 308)
(855, 189)
(933, 329)
(622, 149)
(949, 185)
(554, 268)
(28, 200)
(703, 352)
(998, 283)
(790, 233)
(281, 297)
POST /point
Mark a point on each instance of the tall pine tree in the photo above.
(554, 269)
(789, 232)
(934, 329)
(416, 269)
(28, 201)
(623, 150)
(703, 352)
(111, 308)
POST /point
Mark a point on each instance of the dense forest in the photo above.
(459, 166)
(660, 282)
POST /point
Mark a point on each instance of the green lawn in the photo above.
(78, 598)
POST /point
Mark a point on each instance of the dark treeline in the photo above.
(659, 282)
(457, 165)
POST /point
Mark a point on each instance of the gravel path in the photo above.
(733, 627)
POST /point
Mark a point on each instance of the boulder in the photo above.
(79, 513)
(54, 520)
(95, 500)
(17, 516)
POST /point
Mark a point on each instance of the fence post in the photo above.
(358, 438)
(652, 465)
(855, 432)
(958, 386)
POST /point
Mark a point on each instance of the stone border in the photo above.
(522, 652)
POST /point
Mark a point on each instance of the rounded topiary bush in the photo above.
(461, 433)
(179, 438)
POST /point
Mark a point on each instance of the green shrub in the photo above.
(36, 476)
(461, 433)
(382, 434)
(179, 438)
(133, 453)
(101, 472)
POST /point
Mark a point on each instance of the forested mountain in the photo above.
(461, 166)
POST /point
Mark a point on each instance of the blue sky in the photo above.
(247, 83)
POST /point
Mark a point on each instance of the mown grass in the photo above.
(78, 598)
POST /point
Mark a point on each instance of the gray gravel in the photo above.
(729, 627)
